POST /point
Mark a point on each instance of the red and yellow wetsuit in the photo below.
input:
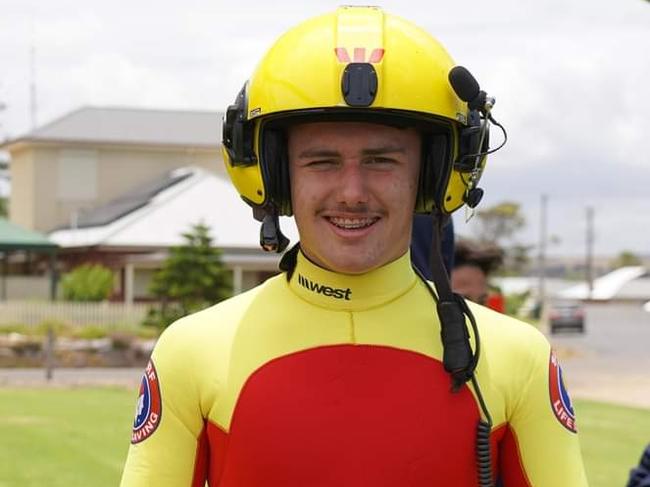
(336, 380)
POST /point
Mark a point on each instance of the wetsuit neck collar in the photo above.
(352, 292)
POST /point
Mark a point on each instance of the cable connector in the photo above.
(458, 358)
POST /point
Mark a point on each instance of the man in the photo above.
(348, 369)
(473, 264)
(640, 475)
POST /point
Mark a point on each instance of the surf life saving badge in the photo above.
(560, 400)
(149, 407)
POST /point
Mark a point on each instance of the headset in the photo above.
(359, 91)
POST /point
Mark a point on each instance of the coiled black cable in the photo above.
(483, 456)
(483, 446)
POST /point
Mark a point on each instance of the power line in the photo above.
(542, 252)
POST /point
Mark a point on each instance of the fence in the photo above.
(33, 313)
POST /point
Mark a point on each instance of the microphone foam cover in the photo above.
(463, 83)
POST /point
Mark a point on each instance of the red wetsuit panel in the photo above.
(201, 460)
(218, 447)
(351, 415)
(511, 470)
(495, 439)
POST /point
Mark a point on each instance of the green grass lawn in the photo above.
(612, 440)
(64, 437)
(79, 437)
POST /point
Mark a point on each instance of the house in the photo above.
(92, 155)
(625, 284)
(118, 186)
(132, 233)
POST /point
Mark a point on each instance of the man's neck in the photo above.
(351, 291)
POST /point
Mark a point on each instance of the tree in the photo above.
(496, 226)
(517, 259)
(499, 222)
(626, 258)
(192, 278)
(87, 282)
(4, 208)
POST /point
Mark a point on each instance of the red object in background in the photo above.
(496, 302)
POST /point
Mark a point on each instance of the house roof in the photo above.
(132, 126)
(607, 286)
(14, 237)
(636, 289)
(129, 201)
(159, 221)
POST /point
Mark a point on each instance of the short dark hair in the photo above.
(487, 257)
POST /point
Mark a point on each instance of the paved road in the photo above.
(610, 362)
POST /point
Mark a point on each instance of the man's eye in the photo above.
(321, 163)
(380, 161)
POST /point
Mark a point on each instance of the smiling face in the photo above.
(353, 189)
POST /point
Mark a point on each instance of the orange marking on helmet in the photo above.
(342, 54)
(376, 55)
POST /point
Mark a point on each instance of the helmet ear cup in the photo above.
(237, 132)
(474, 144)
(470, 143)
(434, 172)
(275, 168)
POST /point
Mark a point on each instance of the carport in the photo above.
(14, 238)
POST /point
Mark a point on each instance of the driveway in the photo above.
(611, 361)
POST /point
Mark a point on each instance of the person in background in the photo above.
(473, 265)
(640, 475)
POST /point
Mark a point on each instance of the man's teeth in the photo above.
(350, 223)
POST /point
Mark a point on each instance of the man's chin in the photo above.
(351, 266)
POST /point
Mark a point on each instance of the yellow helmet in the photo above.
(357, 63)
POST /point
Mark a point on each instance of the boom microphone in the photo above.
(463, 83)
(468, 89)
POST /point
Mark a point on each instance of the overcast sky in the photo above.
(571, 80)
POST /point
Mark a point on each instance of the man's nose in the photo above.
(353, 189)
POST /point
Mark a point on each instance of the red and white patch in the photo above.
(149, 407)
(560, 400)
